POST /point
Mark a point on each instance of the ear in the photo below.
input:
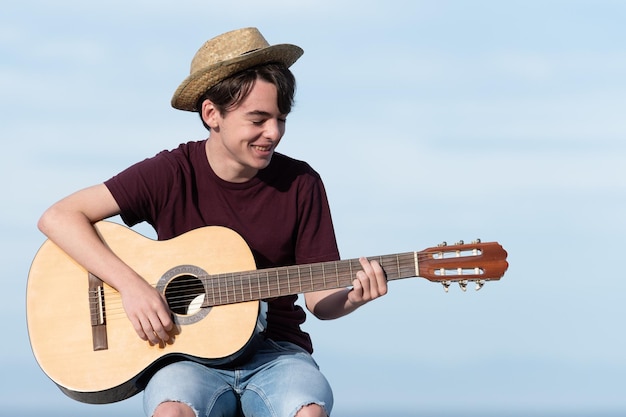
(210, 114)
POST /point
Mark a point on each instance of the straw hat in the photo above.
(226, 55)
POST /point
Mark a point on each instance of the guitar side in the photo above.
(59, 312)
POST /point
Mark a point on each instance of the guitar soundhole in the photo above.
(184, 291)
(185, 294)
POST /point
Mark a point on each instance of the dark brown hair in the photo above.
(230, 92)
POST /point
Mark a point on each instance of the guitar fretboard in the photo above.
(262, 284)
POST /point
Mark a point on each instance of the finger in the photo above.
(147, 329)
(380, 278)
(158, 331)
(151, 330)
(374, 280)
(362, 282)
(160, 323)
(139, 328)
(166, 320)
(356, 293)
(157, 322)
(367, 266)
(165, 315)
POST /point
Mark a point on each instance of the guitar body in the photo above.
(91, 369)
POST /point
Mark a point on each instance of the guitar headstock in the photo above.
(463, 263)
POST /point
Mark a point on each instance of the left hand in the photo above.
(369, 283)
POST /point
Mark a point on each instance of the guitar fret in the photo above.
(230, 290)
(235, 288)
(213, 290)
(243, 297)
(219, 289)
(226, 288)
(223, 286)
(250, 287)
(398, 264)
(244, 290)
(350, 264)
(277, 284)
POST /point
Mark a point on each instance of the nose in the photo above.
(274, 129)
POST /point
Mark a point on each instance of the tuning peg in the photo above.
(463, 285)
(479, 284)
(476, 241)
(446, 285)
(442, 244)
(460, 242)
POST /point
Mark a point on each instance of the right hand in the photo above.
(148, 311)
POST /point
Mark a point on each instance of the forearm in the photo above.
(75, 234)
(368, 284)
(69, 224)
(332, 304)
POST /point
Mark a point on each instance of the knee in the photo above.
(173, 409)
(311, 410)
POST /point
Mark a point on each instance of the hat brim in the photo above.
(189, 91)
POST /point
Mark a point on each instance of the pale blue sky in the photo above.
(428, 120)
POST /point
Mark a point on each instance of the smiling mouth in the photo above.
(262, 148)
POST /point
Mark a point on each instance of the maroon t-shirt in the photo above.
(282, 214)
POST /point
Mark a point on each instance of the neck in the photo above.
(224, 166)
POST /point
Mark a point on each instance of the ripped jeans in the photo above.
(277, 381)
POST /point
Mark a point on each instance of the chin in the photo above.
(261, 164)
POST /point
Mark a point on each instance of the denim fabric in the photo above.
(278, 380)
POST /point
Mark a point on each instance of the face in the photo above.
(243, 140)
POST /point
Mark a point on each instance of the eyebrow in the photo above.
(262, 114)
(258, 113)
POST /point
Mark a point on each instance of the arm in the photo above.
(69, 224)
(368, 284)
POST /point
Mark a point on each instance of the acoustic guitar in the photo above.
(83, 341)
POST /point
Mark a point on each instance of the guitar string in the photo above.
(231, 290)
(231, 296)
(113, 304)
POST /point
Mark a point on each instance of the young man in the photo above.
(243, 90)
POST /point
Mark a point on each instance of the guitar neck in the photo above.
(230, 288)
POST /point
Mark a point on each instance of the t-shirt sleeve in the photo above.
(143, 189)
(316, 240)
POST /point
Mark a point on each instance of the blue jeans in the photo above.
(277, 381)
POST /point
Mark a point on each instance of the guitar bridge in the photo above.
(97, 313)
